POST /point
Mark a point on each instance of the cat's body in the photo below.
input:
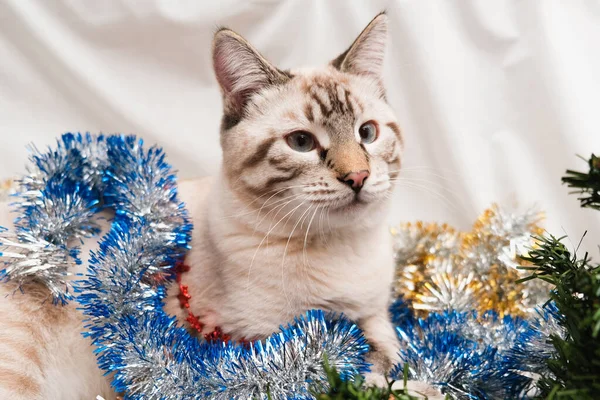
(42, 353)
(296, 218)
(294, 221)
(250, 291)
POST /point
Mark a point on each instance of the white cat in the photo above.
(294, 221)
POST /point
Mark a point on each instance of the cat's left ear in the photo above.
(365, 56)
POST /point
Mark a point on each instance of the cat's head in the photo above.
(308, 139)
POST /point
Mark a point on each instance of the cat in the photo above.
(296, 218)
(294, 221)
(43, 355)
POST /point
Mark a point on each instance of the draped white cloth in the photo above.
(495, 98)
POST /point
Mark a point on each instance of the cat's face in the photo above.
(308, 140)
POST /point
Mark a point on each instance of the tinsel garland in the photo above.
(150, 355)
(56, 204)
(466, 328)
(441, 269)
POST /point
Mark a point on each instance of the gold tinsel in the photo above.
(439, 268)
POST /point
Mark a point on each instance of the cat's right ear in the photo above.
(365, 56)
(241, 71)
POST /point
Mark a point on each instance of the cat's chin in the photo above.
(360, 209)
(354, 205)
(361, 201)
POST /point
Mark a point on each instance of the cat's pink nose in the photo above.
(356, 180)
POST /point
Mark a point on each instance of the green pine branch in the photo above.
(588, 184)
(340, 389)
(574, 372)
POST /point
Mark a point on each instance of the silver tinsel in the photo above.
(161, 361)
(62, 211)
(535, 347)
(29, 259)
(455, 349)
(56, 203)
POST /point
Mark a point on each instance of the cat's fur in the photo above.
(278, 232)
(275, 234)
(42, 353)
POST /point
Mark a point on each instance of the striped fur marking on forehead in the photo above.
(330, 101)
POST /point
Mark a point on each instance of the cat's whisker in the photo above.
(278, 208)
(424, 181)
(306, 235)
(328, 201)
(293, 196)
(321, 222)
(329, 220)
(276, 205)
(277, 191)
(431, 174)
(426, 169)
(265, 238)
(427, 189)
(307, 269)
(307, 216)
(285, 252)
(436, 184)
(436, 194)
(429, 178)
(255, 211)
(300, 219)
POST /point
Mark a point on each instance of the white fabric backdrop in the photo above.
(495, 98)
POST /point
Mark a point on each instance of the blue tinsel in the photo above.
(464, 355)
(454, 351)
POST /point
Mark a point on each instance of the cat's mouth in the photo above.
(357, 201)
(345, 203)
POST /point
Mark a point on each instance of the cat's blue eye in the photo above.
(368, 132)
(301, 141)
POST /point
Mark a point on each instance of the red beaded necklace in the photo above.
(184, 297)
